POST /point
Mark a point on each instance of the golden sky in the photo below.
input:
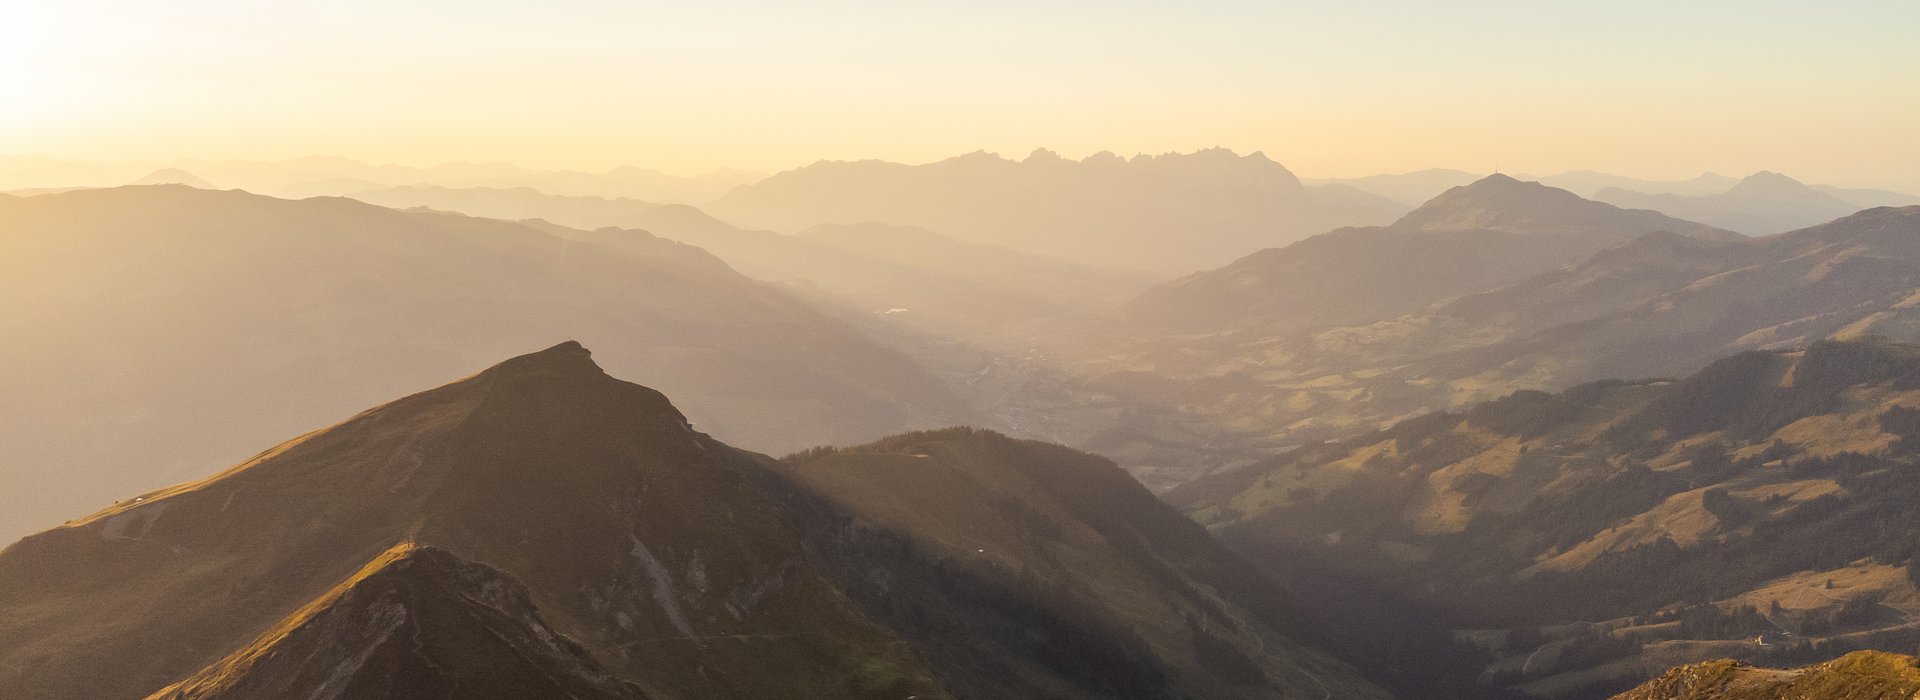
(1827, 92)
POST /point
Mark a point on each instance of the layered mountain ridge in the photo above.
(1759, 204)
(166, 326)
(543, 523)
(1759, 509)
(1660, 305)
(1470, 238)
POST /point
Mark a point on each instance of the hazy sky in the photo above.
(1824, 91)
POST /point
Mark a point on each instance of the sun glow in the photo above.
(26, 44)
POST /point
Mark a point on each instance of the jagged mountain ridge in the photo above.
(1104, 210)
(659, 552)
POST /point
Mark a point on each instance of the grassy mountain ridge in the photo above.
(1857, 676)
(1757, 509)
(1658, 305)
(415, 622)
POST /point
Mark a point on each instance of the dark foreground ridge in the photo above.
(541, 529)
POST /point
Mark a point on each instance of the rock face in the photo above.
(1862, 675)
(541, 525)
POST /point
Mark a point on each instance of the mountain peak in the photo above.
(1491, 202)
(1502, 203)
(173, 176)
(569, 357)
(1768, 181)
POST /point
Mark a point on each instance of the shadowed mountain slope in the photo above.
(416, 622)
(990, 542)
(634, 535)
(650, 551)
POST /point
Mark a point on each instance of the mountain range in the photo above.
(1414, 188)
(541, 529)
(1584, 541)
(1658, 305)
(1470, 238)
(166, 326)
(1166, 214)
(1759, 204)
(332, 176)
(922, 279)
(1512, 442)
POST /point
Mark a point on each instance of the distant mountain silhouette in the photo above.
(1410, 189)
(1172, 213)
(1470, 238)
(512, 204)
(173, 176)
(134, 305)
(1763, 203)
(542, 529)
(1869, 198)
(1502, 203)
(1416, 187)
(928, 281)
(332, 176)
(1588, 183)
